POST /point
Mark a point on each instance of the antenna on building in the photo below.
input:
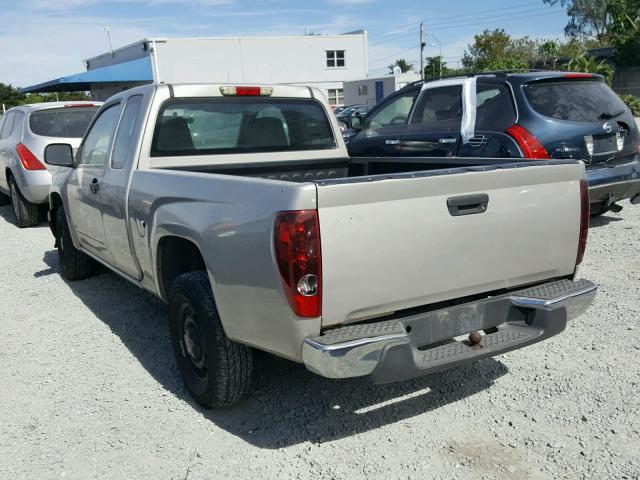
(108, 31)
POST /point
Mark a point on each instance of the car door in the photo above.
(113, 188)
(434, 127)
(6, 123)
(84, 184)
(384, 126)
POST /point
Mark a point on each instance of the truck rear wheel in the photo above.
(74, 265)
(27, 214)
(217, 371)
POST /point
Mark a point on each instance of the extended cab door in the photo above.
(434, 127)
(84, 195)
(113, 198)
(384, 126)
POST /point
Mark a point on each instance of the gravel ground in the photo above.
(89, 389)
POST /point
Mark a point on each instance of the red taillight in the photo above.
(584, 220)
(529, 144)
(578, 75)
(297, 251)
(28, 159)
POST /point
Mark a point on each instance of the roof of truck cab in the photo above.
(46, 105)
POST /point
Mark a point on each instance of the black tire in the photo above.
(217, 371)
(27, 214)
(74, 265)
(597, 209)
(4, 199)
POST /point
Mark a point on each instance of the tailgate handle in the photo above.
(468, 204)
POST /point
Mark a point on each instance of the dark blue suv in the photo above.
(536, 115)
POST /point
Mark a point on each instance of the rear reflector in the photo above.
(246, 91)
(529, 144)
(28, 159)
(578, 75)
(297, 252)
(584, 220)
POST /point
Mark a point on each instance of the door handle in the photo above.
(468, 204)
(94, 186)
(447, 140)
(392, 142)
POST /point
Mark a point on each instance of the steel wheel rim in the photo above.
(192, 342)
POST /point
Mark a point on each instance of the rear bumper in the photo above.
(416, 345)
(611, 184)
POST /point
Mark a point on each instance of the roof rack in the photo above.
(495, 73)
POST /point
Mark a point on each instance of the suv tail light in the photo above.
(584, 220)
(28, 159)
(529, 144)
(297, 251)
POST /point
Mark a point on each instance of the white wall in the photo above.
(296, 59)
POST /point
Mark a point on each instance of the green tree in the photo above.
(9, 96)
(585, 64)
(625, 31)
(496, 50)
(403, 64)
(587, 19)
(432, 69)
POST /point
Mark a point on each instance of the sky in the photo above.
(45, 39)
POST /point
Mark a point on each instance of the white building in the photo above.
(369, 91)
(323, 61)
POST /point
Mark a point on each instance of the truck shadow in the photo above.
(602, 221)
(290, 405)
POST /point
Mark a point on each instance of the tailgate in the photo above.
(393, 242)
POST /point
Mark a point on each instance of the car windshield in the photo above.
(579, 101)
(240, 125)
(64, 122)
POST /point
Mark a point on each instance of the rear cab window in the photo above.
(65, 122)
(210, 126)
(578, 101)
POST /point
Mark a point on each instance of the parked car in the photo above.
(25, 131)
(536, 115)
(270, 237)
(349, 112)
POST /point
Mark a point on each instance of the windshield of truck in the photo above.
(205, 126)
(64, 122)
(578, 101)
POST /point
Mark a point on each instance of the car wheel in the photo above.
(216, 370)
(27, 214)
(74, 265)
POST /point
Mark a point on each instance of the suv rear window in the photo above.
(206, 126)
(68, 122)
(581, 101)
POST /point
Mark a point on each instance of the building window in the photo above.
(335, 58)
(336, 96)
(363, 91)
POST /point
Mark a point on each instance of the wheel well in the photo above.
(55, 204)
(176, 256)
(8, 173)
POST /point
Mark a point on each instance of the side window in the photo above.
(18, 119)
(6, 126)
(396, 112)
(439, 109)
(124, 138)
(494, 109)
(95, 148)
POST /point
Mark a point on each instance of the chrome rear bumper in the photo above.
(419, 344)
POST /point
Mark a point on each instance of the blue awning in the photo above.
(129, 73)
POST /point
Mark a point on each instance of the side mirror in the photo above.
(59, 155)
(356, 123)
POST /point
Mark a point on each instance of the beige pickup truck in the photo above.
(239, 207)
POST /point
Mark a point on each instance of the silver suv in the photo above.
(25, 131)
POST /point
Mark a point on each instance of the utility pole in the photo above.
(422, 50)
